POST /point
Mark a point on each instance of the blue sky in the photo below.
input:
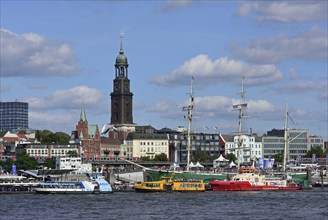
(57, 54)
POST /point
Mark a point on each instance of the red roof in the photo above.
(10, 139)
(22, 136)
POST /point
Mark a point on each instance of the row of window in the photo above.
(152, 149)
(45, 152)
(198, 137)
(256, 146)
(200, 143)
(152, 143)
(256, 153)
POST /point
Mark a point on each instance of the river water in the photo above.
(308, 204)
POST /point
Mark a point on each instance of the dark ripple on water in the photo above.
(209, 205)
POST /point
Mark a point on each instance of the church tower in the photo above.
(82, 125)
(121, 97)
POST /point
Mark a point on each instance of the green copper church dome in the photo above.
(121, 58)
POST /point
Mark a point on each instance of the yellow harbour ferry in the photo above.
(167, 184)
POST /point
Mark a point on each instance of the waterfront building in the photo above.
(110, 149)
(244, 147)
(227, 142)
(316, 141)
(297, 147)
(208, 143)
(44, 151)
(13, 115)
(146, 145)
(121, 99)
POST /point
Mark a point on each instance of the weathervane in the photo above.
(121, 49)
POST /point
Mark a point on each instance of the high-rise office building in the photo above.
(13, 115)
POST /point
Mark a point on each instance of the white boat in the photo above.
(17, 184)
(98, 185)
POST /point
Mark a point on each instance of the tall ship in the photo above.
(154, 175)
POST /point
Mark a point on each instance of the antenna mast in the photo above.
(286, 155)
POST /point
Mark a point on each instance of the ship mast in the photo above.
(189, 109)
(286, 148)
(240, 107)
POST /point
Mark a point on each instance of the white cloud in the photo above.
(293, 74)
(53, 121)
(310, 45)
(49, 118)
(164, 106)
(286, 11)
(30, 54)
(60, 110)
(320, 88)
(167, 109)
(36, 86)
(172, 5)
(66, 99)
(211, 72)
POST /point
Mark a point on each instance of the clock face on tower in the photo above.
(126, 86)
(116, 86)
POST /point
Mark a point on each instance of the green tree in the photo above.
(318, 151)
(278, 158)
(7, 165)
(2, 133)
(25, 162)
(214, 157)
(200, 156)
(145, 159)
(72, 153)
(231, 157)
(160, 157)
(61, 138)
(50, 163)
(47, 137)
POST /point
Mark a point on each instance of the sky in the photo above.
(56, 55)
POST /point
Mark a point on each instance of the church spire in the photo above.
(83, 116)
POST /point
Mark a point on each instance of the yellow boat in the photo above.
(167, 184)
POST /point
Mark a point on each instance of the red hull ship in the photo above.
(249, 179)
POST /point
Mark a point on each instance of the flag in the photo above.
(13, 171)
